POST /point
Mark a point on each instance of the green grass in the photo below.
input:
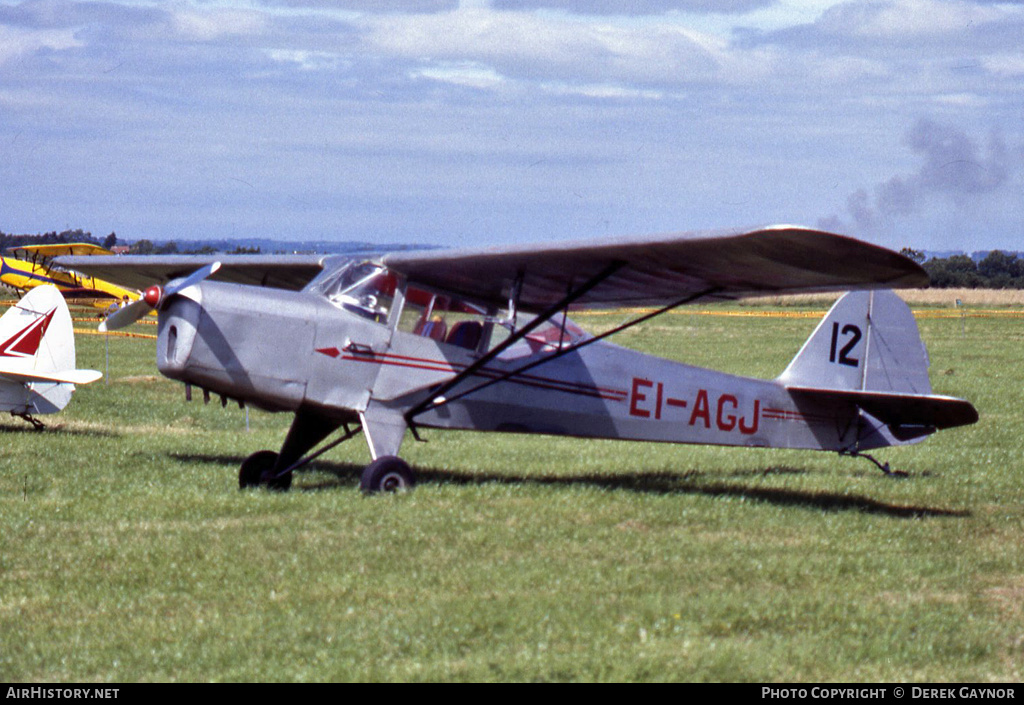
(127, 553)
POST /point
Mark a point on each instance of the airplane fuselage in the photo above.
(286, 351)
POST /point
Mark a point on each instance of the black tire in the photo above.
(387, 474)
(257, 470)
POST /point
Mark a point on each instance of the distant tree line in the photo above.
(997, 270)
(146, 247)
(140, 247)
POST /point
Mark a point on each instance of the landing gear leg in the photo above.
(275, 469)
(385, 429)
(387, 473)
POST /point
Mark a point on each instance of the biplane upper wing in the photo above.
(660, 269)
(140, 271)
(47, 252)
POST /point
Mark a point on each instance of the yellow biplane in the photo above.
(29, 266)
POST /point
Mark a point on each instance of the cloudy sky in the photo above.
(494, 121)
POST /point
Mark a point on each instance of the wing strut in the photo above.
(433, 402)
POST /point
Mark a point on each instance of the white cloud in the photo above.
(546, 48)
(962, 100)
(1005, 65)
(310, 60)
(385, 6)
(215, 24)
(601, 91)
(16, 42)
(905, 19)
(636, 7)
(899, 25)
(468, 74)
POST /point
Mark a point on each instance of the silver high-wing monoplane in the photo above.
(481, 340)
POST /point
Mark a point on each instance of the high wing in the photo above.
(659, 269)
(650, 270)
(140, 271)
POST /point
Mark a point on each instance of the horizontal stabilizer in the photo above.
(62, 377)
(901, 411)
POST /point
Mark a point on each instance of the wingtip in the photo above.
(89, 376)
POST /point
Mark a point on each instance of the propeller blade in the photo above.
(125, 316)
(153, 297)
(192, 279)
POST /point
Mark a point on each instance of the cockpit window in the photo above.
(368, 290)
(364, 288)
(445, 319)
(477, 328)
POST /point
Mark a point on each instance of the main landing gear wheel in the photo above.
(258, 469)
(387, 474)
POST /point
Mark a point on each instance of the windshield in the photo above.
(364, 288)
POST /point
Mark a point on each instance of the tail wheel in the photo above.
(387, 474)
(258, 469)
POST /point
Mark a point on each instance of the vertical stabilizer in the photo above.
(868, 342)
(37, 355)
(36, 333)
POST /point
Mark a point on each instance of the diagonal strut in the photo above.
(430, 401)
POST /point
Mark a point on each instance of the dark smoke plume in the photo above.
(954, 167)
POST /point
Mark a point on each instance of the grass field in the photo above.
(127, 553)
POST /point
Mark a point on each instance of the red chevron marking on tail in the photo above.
(25, 343)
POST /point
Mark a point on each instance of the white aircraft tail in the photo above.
(37, 354)
(867, 352)
(867, 342)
